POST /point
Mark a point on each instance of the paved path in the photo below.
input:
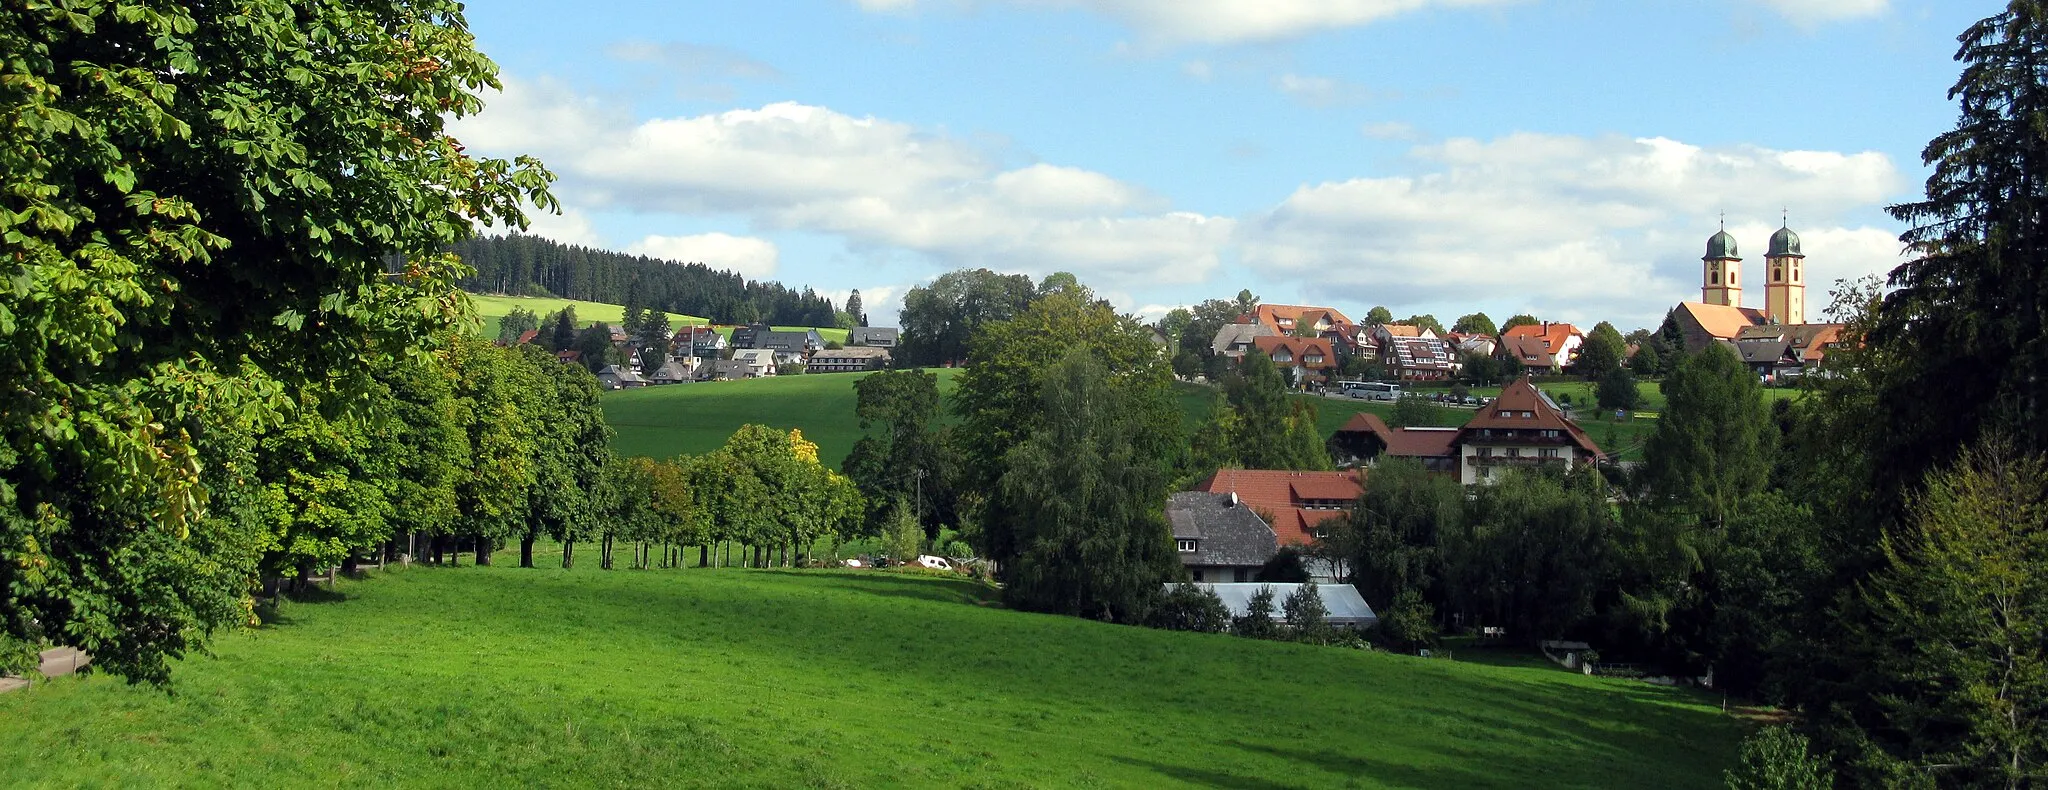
(56, 662)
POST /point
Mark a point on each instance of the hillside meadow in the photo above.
(503, 676)
(493, 308)
(659, 422)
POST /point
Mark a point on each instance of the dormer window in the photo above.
(1185, 546)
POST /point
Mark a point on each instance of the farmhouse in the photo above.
(1233, 340)
(1307, 357)
(1522, 428)
(872, 337)
(1559, 343)
(1295, 505)
(1219, 538)
(614, 377)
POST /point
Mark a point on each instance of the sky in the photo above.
(1565, 158)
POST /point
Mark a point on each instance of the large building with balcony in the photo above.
(1519, 429)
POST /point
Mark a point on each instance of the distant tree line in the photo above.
(524, 265)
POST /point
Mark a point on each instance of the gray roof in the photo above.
(1234, 334)
(621, 374)
(1342, 601)
(1762, 351)
(673, 371)
(849, 353)
(868, 335)
(1224, 533)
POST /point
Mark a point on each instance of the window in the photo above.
(1186, 546)
(1321, 533)
(1550, 434)
(1486, 452)
(1513, 452)
(1548, 452)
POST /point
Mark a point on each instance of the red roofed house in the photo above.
(1560, 341)
(526, 337)
(1519, 428)
(1296, 504)
(1309, 357)
(1419, 359)
(1283, 319)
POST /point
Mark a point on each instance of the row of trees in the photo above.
(534, 266)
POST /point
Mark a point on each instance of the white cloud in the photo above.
(568, 227)
(753, 258)
(1320, 91)
(1390, 130)
(1569, 227)
(874, 182)
(1810, 13)
(1226, 21)
(1198, 70)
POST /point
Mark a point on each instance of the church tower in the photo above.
(1721, 275)
(1785, 283)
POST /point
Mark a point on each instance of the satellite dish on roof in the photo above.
(1233, 499)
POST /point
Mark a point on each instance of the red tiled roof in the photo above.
(527, 337)
(1722, 321)
(1527, 350)
(1521, 398)
(1402, 442)
(1272, 316)
(1298, 348)
(1281, 494)
(1554, 336)
(1402, 330)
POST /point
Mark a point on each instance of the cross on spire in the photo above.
(1785, 217)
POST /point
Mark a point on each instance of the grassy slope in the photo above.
(509, 677)
(494, 308)
(697, 418)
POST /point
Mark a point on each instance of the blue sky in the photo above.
(1562, 157)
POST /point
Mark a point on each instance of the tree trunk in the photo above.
(568, 554)
(483, 551)
(348, 565)
(704, 556)
(526, 551)
(757, 558)
(604, 553)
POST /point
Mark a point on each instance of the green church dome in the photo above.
(1722, 245)
(1785, 244)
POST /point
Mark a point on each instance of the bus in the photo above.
(1369, 390)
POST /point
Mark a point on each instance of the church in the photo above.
(1775, 341)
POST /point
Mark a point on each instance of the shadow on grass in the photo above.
(1204, 777)
(928, 588)
(269, 611)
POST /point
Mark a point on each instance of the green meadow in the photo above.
(493, 309)
(659, 422)
(509, 677)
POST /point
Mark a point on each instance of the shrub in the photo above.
(1257, 623)
(1285, 566)
(1409, 622)
(1776, 758)
(1186, 607)
(1307, 615)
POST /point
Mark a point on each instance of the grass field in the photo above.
(492, 309)
(659, 422)
(516, 678)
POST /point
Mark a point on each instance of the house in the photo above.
(1366, 438)
(1232, 340)
(1310, 358)
(872, 337)
(1467, 343)
(1528, 353)
(1387, 332)
(1419, 359)
(1561, 342)
(852, 359)
(1519, 428)
(1777, 352)
(1297, 505)
(676, 371)
(614, 377)
(759, 361)
(569, 356)
(801, 342)
(1218, 538)
(1703, 324)
(724, 370)
(1342, 605)
(526, 337)
(1284, 319)
(702, 341)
